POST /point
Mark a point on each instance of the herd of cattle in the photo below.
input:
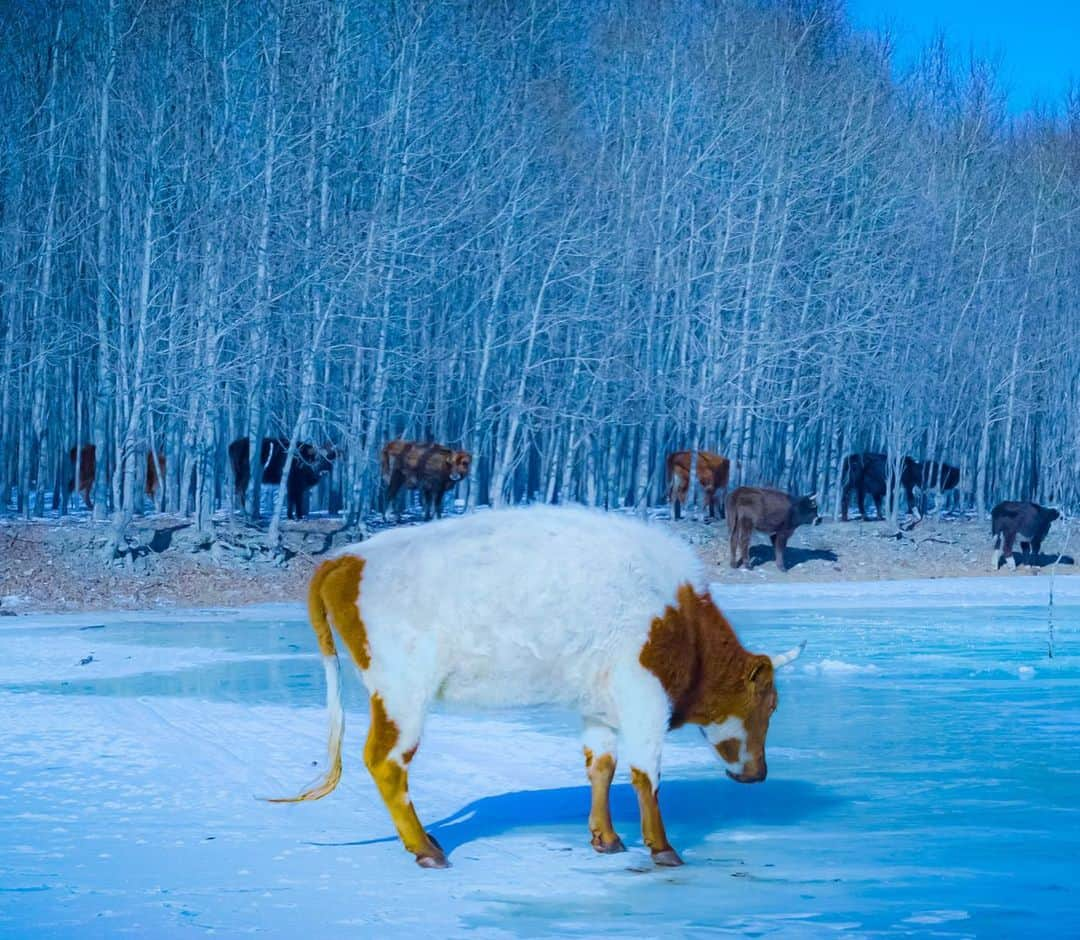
(433, 469)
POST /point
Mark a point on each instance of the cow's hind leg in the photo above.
(599, 744)
(997, 551)
(392, 740)
(779, 543)
(438, 494)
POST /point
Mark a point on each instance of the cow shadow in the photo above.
(693, 809)
(1041, 560)
(162, 538)
(762, 554)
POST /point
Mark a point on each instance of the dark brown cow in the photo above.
(713, 473)
(1028, 520)
(310, 464)
(773, 512)
(430, 468)
(84, 462)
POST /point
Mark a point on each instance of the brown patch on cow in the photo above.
(701, 664)
(410, 754)
(335, 590)
(601, 771)
(392, 780)
(730, 749)
(652, 825)
(383, 733)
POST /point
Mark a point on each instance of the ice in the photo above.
(924, 780)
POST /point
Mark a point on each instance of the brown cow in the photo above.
(713, 472)
(770, 511)
(84, 461)
(431, 468)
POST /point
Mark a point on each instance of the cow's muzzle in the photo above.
(748, 778)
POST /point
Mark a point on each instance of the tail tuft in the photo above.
(329, 780)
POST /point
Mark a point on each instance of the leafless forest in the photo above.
(568, 237)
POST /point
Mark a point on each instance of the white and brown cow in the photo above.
(535, 606)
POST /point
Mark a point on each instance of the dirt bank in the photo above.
(875, 551)
(57, 565)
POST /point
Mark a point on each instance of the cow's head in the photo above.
(738, 737)
(804, 510)
(321, 458)
(460, 464)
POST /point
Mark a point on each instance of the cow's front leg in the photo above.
(779, 542)
(397, 478)
(391, 743)
(1009, 560)
(645, 722)
(599, 744)
(647, 786)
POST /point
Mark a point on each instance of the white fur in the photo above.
(730, 727)
(523, 607)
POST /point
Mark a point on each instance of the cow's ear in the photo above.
(757, 667)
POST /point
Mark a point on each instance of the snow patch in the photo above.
(837, 667)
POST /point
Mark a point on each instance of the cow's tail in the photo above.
(320, 622)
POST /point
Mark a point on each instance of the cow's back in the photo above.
(516, 606)
(763, 508)
(713, 470)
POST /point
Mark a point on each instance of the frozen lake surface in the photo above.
(924, 779)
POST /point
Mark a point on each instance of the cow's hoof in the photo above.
(435, 859)
(608, 848)
(432, 861)
(669, 858)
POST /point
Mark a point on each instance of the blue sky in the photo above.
(1038, 40)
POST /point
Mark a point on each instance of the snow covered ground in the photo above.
(924, 780)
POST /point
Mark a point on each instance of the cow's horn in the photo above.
(813, 496)
(790, 656)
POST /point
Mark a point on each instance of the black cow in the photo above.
(867, 474)
(770, 511)
(928, 475)
(310, 464)
(1028, 520)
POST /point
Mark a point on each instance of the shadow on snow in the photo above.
(761, 554)
(692, 810)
